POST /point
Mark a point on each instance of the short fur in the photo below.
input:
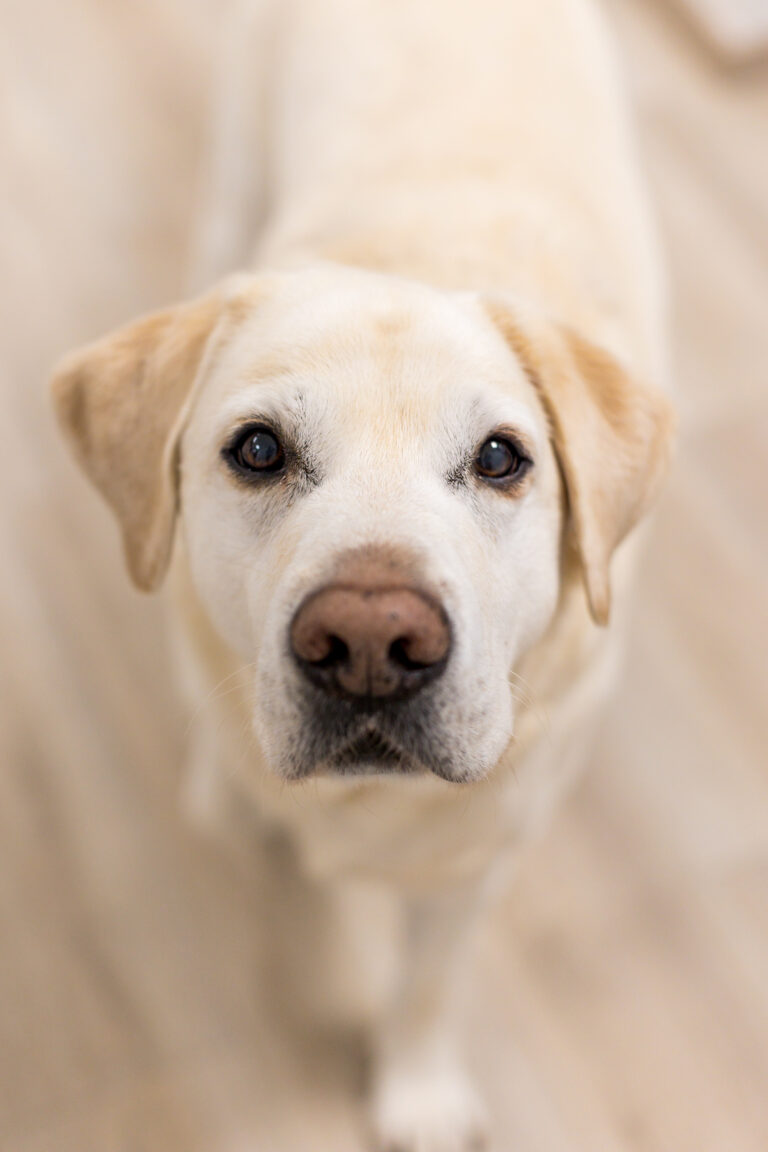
(442, 232)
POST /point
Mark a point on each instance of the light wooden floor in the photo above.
(623, 998)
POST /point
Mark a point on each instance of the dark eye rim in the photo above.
(231, 452)
(522, 457)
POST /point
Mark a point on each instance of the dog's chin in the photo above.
(371, 754)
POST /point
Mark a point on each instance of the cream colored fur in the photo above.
(438, 230)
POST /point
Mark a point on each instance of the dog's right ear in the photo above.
(122, 403)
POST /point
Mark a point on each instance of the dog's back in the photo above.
(472, 145)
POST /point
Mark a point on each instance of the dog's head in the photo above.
(377, 483)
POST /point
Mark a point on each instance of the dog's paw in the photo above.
(427, 1110)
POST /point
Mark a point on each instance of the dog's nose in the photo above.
(370, 642)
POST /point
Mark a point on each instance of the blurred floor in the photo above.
(623, 998)
(737, 30)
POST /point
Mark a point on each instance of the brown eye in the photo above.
(499, 459)
(258, 450)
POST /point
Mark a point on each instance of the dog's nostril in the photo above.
(404, 652)
(337, 653)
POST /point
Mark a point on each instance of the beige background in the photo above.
(622, 1004)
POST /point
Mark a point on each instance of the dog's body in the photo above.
(473, 146)
(432, 197)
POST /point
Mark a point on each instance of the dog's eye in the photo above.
(258, 450)
(500, 459)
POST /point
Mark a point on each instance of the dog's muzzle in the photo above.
(367, 645)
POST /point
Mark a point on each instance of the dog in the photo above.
(400, 439)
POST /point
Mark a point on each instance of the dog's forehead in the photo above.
(369, 343)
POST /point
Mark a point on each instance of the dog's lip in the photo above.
(372, 749)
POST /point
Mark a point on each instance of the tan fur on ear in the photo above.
(612, 436)
(121, 402)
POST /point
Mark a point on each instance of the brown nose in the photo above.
(370, 642)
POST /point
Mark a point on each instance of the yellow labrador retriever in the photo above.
(402, 445)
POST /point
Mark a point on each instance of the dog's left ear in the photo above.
(612, 436)
(122, 402)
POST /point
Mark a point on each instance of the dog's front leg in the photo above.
(422, 1098)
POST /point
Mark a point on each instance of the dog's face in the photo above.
(372, 513)
(374, 479)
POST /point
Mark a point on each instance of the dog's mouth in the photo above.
(346, 738)
(370, 753)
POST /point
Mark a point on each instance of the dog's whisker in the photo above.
(216, 694)
(225, 679)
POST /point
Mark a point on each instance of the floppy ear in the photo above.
(122, 403)
(612, 436)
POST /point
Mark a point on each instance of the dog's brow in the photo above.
(271, 369)
(299, 406)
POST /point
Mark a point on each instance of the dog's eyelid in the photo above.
(521, 441)
(239, 425)
(509, 418)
